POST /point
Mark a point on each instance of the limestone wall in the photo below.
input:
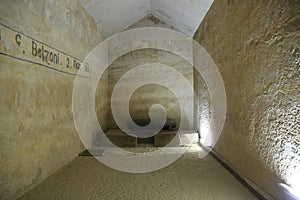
(37, 134)
(255, 44)
(151, 94)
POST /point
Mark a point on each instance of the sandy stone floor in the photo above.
(186, 179)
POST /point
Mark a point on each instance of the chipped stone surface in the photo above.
(37, 134)
(150, 21)
(255, 44)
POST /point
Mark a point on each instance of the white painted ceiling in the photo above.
(114, 16)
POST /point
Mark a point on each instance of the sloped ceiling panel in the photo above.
(184, 15)
(114, 16)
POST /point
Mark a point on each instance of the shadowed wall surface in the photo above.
(37, 133)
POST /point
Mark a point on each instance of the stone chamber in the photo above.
(256, 47)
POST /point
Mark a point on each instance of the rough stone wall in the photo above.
(37, 134)
(151, 94)
(255, 44)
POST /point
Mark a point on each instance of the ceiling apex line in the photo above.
(114, 16)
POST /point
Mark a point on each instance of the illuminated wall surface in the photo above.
(41, 43)
(255, 44)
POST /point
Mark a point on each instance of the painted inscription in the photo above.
(23, 47)
(44, 54)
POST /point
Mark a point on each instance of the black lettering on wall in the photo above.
(25, 48)
(18, 39)
(46, 55)
(68, 62)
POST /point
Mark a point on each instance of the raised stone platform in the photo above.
(121, 139)
(163, 138)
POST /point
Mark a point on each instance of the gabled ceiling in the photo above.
(114, 16)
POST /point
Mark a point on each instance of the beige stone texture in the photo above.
(37, 133)
(150, 94)
(255, 45)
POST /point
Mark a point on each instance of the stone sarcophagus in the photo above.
(170, 124)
